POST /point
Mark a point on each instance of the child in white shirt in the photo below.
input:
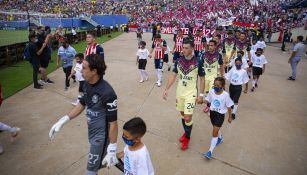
(77, 73)
(220, 103)
(142, 56)
(259, 61)
(136, 156)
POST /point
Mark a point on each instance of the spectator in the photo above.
(297, 53)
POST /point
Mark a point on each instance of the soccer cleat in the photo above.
(256, 85)
(290, 78)
(141, 81)
(75, 103)
(146, 79)
(208, 155)
(15, 134)
(206, 109)
(182, 138)
(185, 144)
(233, 116)
(49, 81)
(159, 84)
(219, 141)
(253, 89)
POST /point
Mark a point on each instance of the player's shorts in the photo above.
(257, 71)
(176, 56)
(217, 119)
(81, 83)
(158, 63)
(235, 92)
(186, 105)
(95, 157)
(209, 82)
(44, 62)
(165, 59)
(142, 64)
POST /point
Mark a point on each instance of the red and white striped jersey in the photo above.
(94, 49)
(179, 44)
(159, 52)
(199, 43)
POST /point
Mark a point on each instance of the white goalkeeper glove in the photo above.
(110, 159)
(57, 126)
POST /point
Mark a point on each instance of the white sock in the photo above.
(157, 71)
(254, 83)
(213, 143)
(4, 127)
(220, 134)
(160, 75)
(141, 74)
(145, 74)
(235, 108)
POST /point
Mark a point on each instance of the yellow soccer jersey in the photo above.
(188, 71)
(212, 63)
(228, 47)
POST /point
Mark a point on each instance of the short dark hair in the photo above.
(31, 35)
(47, 28)
(188, 41)
(300, 38)
(96, 61)
(80, 55)
(219, 36)
(158, 36)
(220, 79)
(91, 33)
(143, 43)
(213, 41)
(135, 126)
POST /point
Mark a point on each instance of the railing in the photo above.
(11, 54)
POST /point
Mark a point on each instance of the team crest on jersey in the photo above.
(95, 98)
(216, 103)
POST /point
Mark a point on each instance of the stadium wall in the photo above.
(295, 32)
(103, 20)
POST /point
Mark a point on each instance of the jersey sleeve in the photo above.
(164, 44)
(245, 78)
(82, 99)
(224, 49)
(111, 106)
(204, 40)
(201, 69)
(138, 53)
(175, 70)
(100, 51)
(248, 47)
(74, 52)
(209, 97)
(264, 60)
(228, 75)
(153, 45)
(229, 102)
(220, 59)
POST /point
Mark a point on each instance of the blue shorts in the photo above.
(158, 63)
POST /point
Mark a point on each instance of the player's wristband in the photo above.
(201, 94)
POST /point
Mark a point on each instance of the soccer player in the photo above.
(92, 46)
(228, 46)
(177, 49)
(139, 34)
(220, 103)
(200, 43)
(159, 46)
(189, 68)
(237, 77)
(101, 102)
(213, 62)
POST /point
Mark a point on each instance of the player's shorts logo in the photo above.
(216, 103)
